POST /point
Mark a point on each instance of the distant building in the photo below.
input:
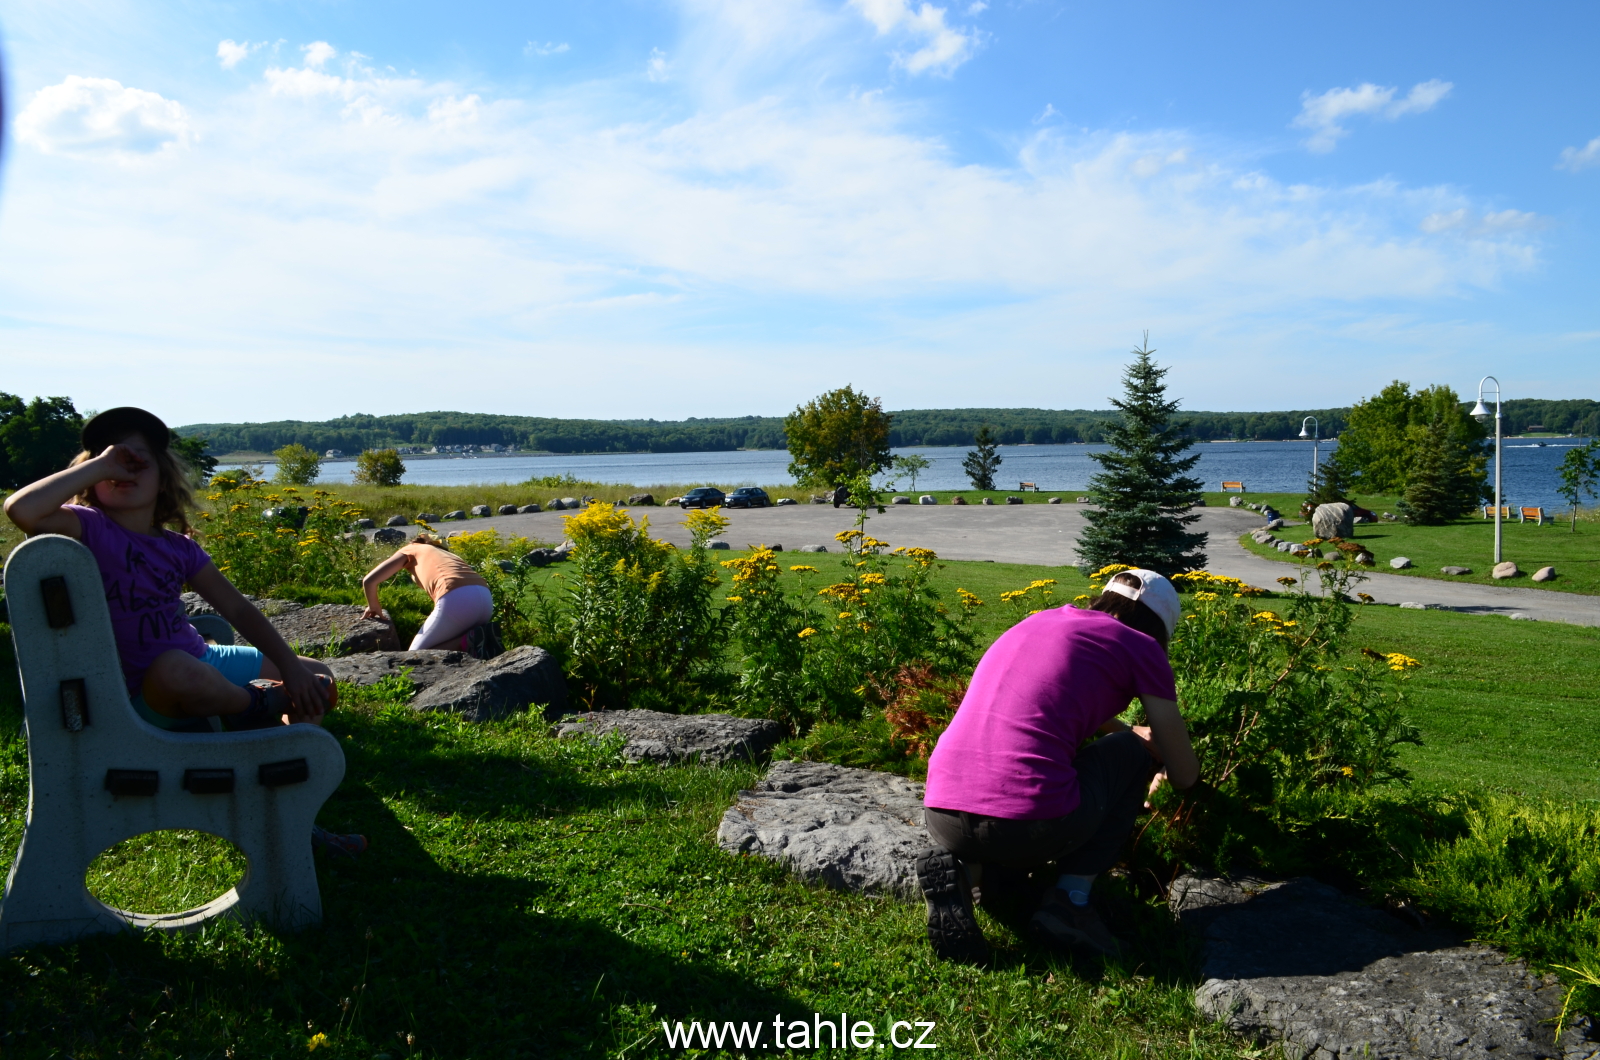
(333, 454)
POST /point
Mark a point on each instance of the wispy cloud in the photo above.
(318, 53)
(96, 117)
(1574, 159)
(533, 48)
(1325, 115)
(231, 53)
(656, 68)
(943, 47)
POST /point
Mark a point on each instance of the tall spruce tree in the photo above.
(981, 464)
(1142, 496)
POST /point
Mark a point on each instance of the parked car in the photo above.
(748, 497)
(704, 497)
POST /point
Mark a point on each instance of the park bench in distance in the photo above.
(99, 774)
(1488, 511)
(1534, 515)
(1229, 486)
(1021, 486)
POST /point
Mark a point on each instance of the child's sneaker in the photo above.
(343, 845)
(952, 926)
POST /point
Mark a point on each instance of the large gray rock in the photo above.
(784, 502)
(428, 667)
(1401, 563)
(1333, 520)
(710, 739)
(928, 498)
(1544, 574)
(571, 502)
(507, 509)
(366, 524)
(1332, 979)
(505, 685)
(195, 604)
(641, 499)
(900, 500)
(1507, 569)
(397, 520)
(1455, 570)
(1235, 501)
(457, 514)
(852, 829)
(530, 509)
(390, 536)
(1274, 524)
(482, 510)
(333, 629)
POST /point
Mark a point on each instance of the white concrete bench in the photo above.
(98, 774)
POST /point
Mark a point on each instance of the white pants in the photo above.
(453, 614)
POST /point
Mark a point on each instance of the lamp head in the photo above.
(1479, 413)
(1304, 433)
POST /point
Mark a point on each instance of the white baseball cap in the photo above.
(1156, 593)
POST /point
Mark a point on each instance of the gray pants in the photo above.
(1113, 776)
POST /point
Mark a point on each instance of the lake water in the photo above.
(1264, 467)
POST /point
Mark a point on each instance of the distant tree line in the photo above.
(911, 427)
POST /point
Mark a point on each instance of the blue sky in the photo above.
(267, 210)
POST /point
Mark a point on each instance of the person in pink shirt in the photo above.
(1019, 779)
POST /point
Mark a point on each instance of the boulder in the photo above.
(554, 504)
(1364, 558)
(457, 514)
(427, 517)
(1013, 500)
(817, 499)
(366, 524)
(1455, 570)
(812, 548)
(852, 829)
(499, 687)
(1235, 501)
(571, 502)
(507, 509)
(785, 501)
(720, 545)
(543, 557)
(1412, 605)
(195, 604)
(1329, 977)
(1275, 524)
(428, 667)
(331, 629)
(1285, 546)
(1544, 574)
(1083, 500)
(710, 739)
(397, 520)
(988, 500)
(1053, 500)
(390, 536)
(1507, 569)
(958, 499)
(530, 509)
(900, 500)
(1401, 563)
(482, 510)
(927, 498)
(641, 499)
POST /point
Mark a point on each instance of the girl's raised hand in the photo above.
(123, 462)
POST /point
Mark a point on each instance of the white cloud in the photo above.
(1574, 159)
(1463, 221)
(943, 47)
(96, 117)
(1046, 114)
(656, 68)
(547, 48)
(977, 7)
(231, 53)
(318, 53)
(1325, 115)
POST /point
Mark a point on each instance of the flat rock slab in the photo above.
(710, 739)
(1332, 979)
(195, 604)
(334, 629)
(852, 829)
(497, 688)
(428, 667)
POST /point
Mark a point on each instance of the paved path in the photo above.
(1047, 534)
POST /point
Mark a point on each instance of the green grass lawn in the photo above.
(529, 897)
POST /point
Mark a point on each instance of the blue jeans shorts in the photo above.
(239, 664)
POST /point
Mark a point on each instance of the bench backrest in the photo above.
(1226, 486)
(98, 774)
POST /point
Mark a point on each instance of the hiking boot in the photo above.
(952, 926)
(1074, 925)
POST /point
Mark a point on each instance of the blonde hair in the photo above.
(174, 496)
(430, 539)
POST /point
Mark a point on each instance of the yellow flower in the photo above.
(803, 567)
(1288, 581)
(1081, 597)
(316, 1039)
(808, 631)
(844, 614)
(1205, 596)
(873, 578)
(968, 600)
(1110, 569)
(1400, 663)
(735, 599)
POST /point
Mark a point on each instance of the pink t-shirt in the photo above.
(144, 578)
(1042, 689)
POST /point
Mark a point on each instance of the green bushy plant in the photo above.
(258, 553)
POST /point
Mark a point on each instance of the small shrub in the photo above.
(297, 465)
(379, 467)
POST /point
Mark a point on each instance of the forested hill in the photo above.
(909, 427)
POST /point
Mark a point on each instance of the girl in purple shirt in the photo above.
(1014, 781)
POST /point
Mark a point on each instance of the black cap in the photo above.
(113, 425)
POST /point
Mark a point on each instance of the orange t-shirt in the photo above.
(438, 571)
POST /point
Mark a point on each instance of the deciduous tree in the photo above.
(37, 438)
(299, 466)
(379, 467)
(1580, 474)
(1385, 437)
(837, 436)
(1143, 494)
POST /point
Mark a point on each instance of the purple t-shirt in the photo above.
(144, 578)
(1042, 689)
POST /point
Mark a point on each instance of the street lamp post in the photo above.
(1481, 414)
(1315, 435)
